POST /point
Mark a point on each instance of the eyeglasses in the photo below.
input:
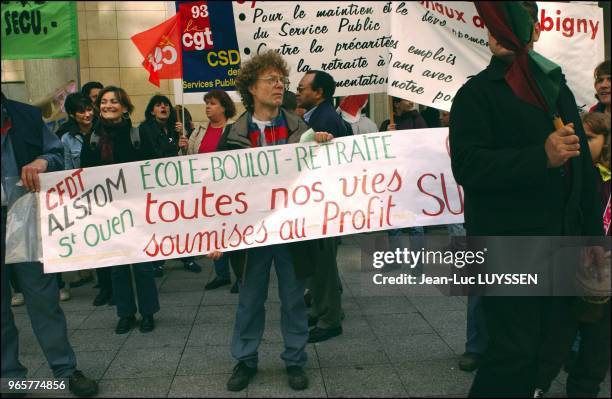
(272, 80)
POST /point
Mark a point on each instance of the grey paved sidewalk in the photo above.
(395, 342)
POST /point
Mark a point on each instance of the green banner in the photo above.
(39, 29)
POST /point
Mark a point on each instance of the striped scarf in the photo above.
(275, 132)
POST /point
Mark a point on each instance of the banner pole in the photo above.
(183, 108)
(78, 72)
(391, 118)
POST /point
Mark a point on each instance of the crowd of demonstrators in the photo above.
(28, 149)
(115, 141)
(219, 110)
(517, 344)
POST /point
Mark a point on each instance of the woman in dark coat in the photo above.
(163, 136)
(112, 143)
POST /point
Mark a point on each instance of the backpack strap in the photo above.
(135, 137)
(94, 140)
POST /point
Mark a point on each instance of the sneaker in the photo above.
(297, 378)
(17, 299)
(81, 386)
(102, 298)
(538, 393)
(241, 377)
(125, 324)
(236, 287)
(192, 267)
(64, 295)
(216, 283)
(469, 361)
(318, 334)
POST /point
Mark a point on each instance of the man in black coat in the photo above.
(521, 177)
(314, 93)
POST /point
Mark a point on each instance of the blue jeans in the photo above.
(251, 312)
(477, 335)
(41, 295)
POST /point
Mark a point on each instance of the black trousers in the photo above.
(516, 327)
(104, 279)
(593, 361)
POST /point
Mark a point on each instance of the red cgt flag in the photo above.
(161, 48)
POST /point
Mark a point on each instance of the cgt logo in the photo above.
(162, 55)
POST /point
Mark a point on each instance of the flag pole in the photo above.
(183, 107)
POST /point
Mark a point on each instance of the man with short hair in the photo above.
(261, 82)
(28, 149)
(314, 93)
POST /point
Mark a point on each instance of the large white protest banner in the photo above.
(419, 50)
(191, 205)
(451, 45)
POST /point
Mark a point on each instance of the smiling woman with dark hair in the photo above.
(116, 141)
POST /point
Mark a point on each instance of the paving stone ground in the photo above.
(396, 342)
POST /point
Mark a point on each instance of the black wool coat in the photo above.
(497, 155)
